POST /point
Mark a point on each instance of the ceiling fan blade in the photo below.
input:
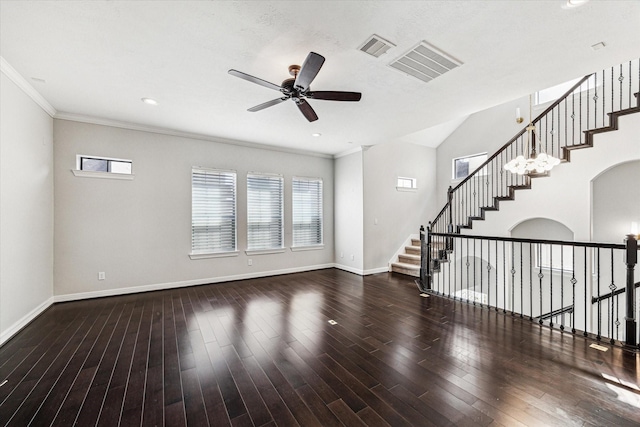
(255, 80)
(309, 71)
(306, 110)
(267, 104)
(334, 95)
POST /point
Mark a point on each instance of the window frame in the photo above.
(80, 172)
(471, 156)
(253, 248)
(403, 179)
(319, 198)
(212, 252)
(564, 264)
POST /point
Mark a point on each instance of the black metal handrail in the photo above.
(555, 313)
(612, 294)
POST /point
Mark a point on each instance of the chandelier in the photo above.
(534, 162)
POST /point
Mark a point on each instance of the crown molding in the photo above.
(171, 132)
(26, 87)
(358, 149)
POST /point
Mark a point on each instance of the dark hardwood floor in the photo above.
(262, 353)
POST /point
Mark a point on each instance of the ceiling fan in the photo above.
(297, 88)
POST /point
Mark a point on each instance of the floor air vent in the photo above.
(376, 46)
(425, 62)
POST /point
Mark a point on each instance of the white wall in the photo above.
(139, 232)
(391, 216)
(616, 202)
(348, 193)
(26, 209)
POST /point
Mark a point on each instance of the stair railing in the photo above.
(586, 288)
(566, 124)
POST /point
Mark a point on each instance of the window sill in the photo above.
(103, 175)
(214, 255)
(307, 248)
(265, 251)
(411, 190)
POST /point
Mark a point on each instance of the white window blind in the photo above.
(307, 212)
(264, 212)
(213, 211)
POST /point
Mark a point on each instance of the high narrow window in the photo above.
(463, 166)
(307, 212)
(213, 211)
(264, 212)
(104, 164)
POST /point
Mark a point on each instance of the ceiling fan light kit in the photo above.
(298, 89)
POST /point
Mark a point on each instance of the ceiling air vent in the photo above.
(376, 46)
(425, 62)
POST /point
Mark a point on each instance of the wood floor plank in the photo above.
(260, 352)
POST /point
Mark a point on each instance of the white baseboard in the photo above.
(376, 270)
(182, 284)
(361, 272)
(349, 269)
(26, 319)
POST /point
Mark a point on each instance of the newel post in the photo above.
(425, 261)
(631, 259)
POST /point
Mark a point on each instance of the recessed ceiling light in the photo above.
(316, 134)
(598, 46)
(39, 80)
(149, 101)
(571, 4)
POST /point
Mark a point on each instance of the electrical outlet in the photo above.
(353, 257)
(102, 275)
(249, 262)
(341, 254)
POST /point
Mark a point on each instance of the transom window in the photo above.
(104, 164)
(406, 183)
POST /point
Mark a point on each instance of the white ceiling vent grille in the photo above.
(425, 62)
(376, 46)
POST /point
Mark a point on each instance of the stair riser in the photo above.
(400, 270)
(409, 260)
(413, 250)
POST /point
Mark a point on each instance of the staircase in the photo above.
(568, 124)
(409, 262)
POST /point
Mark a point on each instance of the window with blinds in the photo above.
(213, 211)
(307, 212)
(265, 212)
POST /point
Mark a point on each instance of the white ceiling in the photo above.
(99, 58)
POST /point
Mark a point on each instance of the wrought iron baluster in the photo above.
(573, 289)
(475, 259)
(513, 276)
(612, 287)
(585, 293)
(481, 289)
(530, 282)
(598, 293)
(573, 118)
(497, 263)
(540, 277)
(562, 285)
(504, 274)
(550, 282)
